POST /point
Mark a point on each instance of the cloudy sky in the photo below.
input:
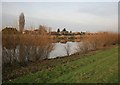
(75, 16)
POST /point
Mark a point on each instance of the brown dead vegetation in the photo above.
(98, 40)
(23, 48)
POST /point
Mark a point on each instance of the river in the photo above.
(59, 49)
(28, 53)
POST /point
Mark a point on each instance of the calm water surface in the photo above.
(60, 51)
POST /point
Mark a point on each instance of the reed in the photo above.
(98, 40)
(23, 48)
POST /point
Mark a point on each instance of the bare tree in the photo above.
(42, 30)
(67, 49)
(21, 22)
(83, 47)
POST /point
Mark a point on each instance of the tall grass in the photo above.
(23, 48)
(97, 40)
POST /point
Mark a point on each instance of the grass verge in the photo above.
(97, 67)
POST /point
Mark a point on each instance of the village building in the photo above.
(59, 36)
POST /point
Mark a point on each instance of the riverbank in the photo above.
(95, 66)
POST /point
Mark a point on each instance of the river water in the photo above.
(59, 49)
(27, 53)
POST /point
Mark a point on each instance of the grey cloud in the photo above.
(99, 8)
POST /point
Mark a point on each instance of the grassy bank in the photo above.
(94, 67)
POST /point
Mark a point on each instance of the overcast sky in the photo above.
(74, 16)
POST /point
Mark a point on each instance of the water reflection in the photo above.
(60, 51)
(28, 53)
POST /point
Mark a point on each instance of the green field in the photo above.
(97, 67)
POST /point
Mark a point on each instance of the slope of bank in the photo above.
(94, 67)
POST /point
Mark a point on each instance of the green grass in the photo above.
(102, 67)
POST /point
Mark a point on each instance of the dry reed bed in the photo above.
(96, 41)
(25, 47)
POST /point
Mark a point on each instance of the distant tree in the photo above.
(42, 29)
(64, 29)
(70, 31)
(49, 29)
(9, 30)
(58, 30)
(21, 22)
(82, 33)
